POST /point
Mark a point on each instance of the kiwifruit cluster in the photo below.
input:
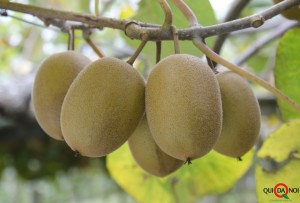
(292, 13)
(184, 111)
(93, 106)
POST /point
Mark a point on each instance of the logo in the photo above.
(281, 191)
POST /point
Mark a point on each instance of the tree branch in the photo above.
(233, 13)
(136, 29)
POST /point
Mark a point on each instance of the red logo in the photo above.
(281, 190)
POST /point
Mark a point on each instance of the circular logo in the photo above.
(286, 190)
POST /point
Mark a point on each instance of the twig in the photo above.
(232, 14)
(214, 56)
(176, 40)
(71, 39)
(168, 15)
(209, 61)
(158, 51)
(86, 33)
(253, 49)
(138, 50)
(93, 46)
(135, 30)
(189, 14)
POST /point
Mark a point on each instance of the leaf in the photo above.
(211, 174)
(279, 163)
(282, 142)
(285, 196)
(287, 72)
(150, 11)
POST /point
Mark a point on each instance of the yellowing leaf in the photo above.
(212, 174)
(288, 175)
(282, 142)
(280, 165)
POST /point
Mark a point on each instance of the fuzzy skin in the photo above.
(52, 81)
(183, 106)
(292, 13)
(148, 155)
(241, 116)
(103, 107)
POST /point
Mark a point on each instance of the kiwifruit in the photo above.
(52, 81)
(241, 116)
(102, 107)
(147, 153)
(292, 13)
(183, 106)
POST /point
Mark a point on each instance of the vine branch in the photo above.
(135, 29)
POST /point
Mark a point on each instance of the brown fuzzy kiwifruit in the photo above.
(147, 153)
(241, 116)
(292, 13)
(183, 106)
(103, 107)
(52, 81)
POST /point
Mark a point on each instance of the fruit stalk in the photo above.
(158, 51)
(86, 36)
(168, 15)
(186, 10)
(71, 39)
(138, 50)
(176, 40)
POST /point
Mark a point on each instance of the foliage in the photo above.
(211, 174)
(287, 72)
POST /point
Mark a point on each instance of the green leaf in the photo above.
(211, 174)
(150, 11)
(287, 71)
(285, 196)
(279, 163)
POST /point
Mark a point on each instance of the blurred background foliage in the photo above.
(35, 168)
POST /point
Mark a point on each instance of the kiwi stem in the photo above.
(158, 51)
(93, 46)
(187, 12)
(138, 50)
(176, 40)
(71, 39)
(168, 15)
(217, 58)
